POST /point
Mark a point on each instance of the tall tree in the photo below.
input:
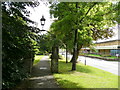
(91, 20)
(18, 42)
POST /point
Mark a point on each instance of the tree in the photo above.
(44, 44)
(91, 20)
(117, 9)
(49, 43)
(55, 50)
(18, 42)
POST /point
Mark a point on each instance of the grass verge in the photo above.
(108, 57)
(93, 55)
(84, 77)
(37, 59)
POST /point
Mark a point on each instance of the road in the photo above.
(110, 66)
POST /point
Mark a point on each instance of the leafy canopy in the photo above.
(92, 19)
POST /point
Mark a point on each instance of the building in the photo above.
(111, 47)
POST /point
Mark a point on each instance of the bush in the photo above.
(18, 45)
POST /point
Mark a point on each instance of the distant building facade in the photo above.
(108, 47)
(111, 47)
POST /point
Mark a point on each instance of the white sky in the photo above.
(36, 15)
(116, 31)
(43, 9)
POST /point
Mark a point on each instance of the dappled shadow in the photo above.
(41, 76)
(42, 82)
(41, 69)
(69, 84)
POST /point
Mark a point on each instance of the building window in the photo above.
(114, 52)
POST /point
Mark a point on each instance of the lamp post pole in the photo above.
(55, 50)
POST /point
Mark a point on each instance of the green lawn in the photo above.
(111, 57)
(93, 55)
(84, 77)
(37, 59)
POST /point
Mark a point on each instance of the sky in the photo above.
(116, 31)
(43, 9)
(37, 12)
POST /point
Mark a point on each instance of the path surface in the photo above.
(110, 66)
(41, 77)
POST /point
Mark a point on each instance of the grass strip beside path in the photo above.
(93, 55)
(37, 59)
(84, 77)
(110, 57)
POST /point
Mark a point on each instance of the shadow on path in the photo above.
(41, 76)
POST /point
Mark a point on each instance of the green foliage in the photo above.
(117, 10)
(79, 23)
(45, 44)
(18, 42)
(92, 19)
(37, 59)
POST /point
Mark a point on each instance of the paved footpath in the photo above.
(41, 76)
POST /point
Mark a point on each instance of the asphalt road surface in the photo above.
(110, 66)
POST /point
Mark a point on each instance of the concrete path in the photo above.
(41, 76)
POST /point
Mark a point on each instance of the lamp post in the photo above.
(42, 21)
(55, 50)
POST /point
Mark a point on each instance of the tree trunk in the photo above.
(76, 56)
(54, 59)
(78, 49)
(74, 52)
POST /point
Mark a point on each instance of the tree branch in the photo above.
(87, 12)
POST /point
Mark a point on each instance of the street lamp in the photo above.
(42, 21)
(55, 50)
